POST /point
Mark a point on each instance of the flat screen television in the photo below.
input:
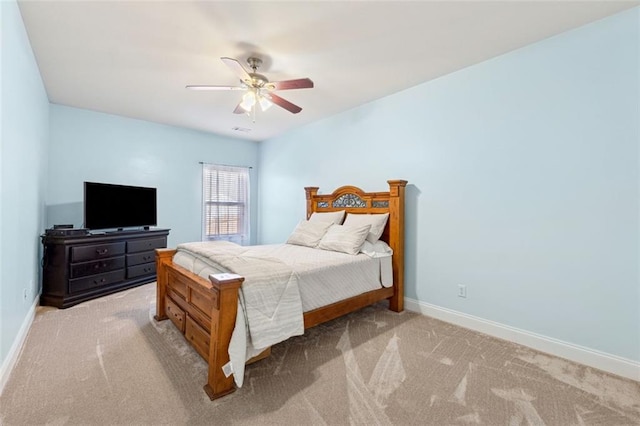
(109, 206)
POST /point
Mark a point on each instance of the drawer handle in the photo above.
(175, 314)
(100, 281)
(102, 251)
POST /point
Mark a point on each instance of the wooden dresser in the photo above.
(80, 268)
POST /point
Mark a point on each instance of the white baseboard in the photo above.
(12, 357)
(580, 354)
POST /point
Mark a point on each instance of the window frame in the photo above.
(236, 195)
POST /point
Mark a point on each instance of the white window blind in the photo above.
(225, 205)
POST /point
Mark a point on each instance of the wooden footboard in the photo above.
(205, 310)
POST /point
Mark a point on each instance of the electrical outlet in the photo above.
(462, 290)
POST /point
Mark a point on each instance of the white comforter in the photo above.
(269, 295)
(276, 276)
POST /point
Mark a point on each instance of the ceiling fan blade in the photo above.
(284, 103)
(197, 87)
(237, 69)
(301, 83)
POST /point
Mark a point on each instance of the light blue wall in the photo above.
(24, 118)
(91, 146)
(524, 183)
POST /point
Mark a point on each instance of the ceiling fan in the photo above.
(259, 90)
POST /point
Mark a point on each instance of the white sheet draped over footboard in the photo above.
(269, 295)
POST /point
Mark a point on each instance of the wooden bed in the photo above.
(205, 310)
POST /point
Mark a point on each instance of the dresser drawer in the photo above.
(83, 269)
(146, 244)
(96, 281)
(175, 314)
(97, 251)
(140, 258)
(198, 337)
(140, 270)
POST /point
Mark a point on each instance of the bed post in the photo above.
(225, 288)
(396, 241)
(311, 192)
(162, 257)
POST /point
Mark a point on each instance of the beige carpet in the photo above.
(108, 362)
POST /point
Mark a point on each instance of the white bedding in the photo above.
(325, 277)
(281, 281)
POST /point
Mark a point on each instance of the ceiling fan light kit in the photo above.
(258, 89)
(252, 97)
(248, 100)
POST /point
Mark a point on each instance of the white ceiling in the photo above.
(134, 58)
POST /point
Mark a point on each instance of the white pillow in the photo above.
(333, 217)
(308, 233)
(377, 222)
(377, 249)
(346, 239)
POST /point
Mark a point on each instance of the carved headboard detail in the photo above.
(352, 199)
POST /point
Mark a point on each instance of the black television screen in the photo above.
(118, 206)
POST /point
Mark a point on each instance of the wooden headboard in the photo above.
(356, 201)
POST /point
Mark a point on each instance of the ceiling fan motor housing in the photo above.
(257, 80)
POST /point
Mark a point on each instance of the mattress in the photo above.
(324, 277)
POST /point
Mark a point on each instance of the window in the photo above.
(225, 205)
